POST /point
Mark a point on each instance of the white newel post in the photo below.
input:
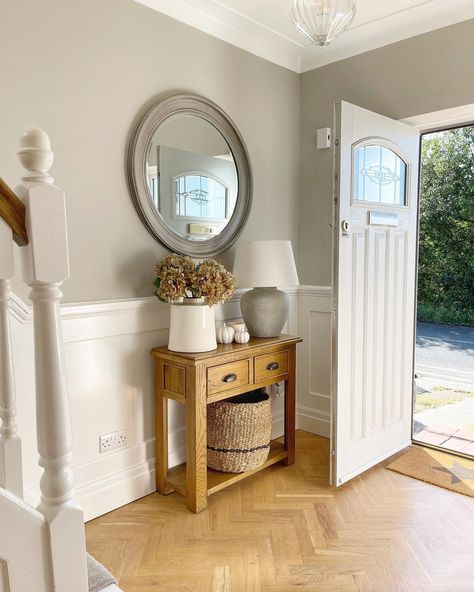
(46, 267)
(11, 475)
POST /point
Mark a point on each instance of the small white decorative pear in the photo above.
(225, 334)
(242, 336)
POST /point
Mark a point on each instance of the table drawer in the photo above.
(228, 376)
(271, 365)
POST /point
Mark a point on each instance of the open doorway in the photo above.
(444, 359)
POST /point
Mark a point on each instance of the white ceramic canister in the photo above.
(192, 326)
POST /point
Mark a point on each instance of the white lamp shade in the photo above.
(265, 264)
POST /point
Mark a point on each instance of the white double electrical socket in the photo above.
(113, 441)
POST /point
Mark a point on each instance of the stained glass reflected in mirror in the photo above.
(191, 177)
(379, 175)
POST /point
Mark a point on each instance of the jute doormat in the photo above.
(439, 468)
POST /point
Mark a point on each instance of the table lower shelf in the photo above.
(217, 480)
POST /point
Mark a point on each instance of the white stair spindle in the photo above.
(11, 475)
(46, 267)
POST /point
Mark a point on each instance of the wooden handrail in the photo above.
(13, 211)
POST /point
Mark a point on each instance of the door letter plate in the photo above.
(383, 218)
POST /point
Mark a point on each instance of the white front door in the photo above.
(375, 233)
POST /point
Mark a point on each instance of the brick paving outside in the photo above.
(450, 442)
(448, 426)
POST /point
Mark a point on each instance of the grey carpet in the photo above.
(99, 577)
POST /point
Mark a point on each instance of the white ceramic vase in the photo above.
(192, 326)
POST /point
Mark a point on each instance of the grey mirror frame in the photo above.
(139, 144)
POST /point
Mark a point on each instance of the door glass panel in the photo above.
(200, 196)
(379, 175)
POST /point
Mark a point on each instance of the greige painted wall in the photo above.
(427, 73)
(82, 71)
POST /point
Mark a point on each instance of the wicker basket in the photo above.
(239, 432)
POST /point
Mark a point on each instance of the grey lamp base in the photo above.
(264, 311)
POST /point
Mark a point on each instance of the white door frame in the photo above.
(431, 122)
(444, 119)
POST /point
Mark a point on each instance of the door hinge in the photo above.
(333, 453)
(336, 141)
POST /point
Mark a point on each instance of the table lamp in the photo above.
(264, 265)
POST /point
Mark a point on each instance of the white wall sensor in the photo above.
(323, 138)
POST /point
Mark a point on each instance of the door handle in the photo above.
(345, 226)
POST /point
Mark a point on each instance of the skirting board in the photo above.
(313, 421)
(104, 495)
(115, 490)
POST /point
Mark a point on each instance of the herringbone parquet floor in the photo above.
(286, 529)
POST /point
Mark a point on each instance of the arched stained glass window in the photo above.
(200, 196)
(380, 175)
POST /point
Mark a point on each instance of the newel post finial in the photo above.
(35, 155)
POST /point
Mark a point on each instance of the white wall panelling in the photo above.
(110, 376)
(314, 359)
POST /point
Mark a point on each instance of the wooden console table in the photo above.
(198, 379)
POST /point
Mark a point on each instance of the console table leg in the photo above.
(290, 407)
(161, 433)
(196, 440)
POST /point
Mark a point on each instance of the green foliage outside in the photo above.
(446, 256)
(447, 315)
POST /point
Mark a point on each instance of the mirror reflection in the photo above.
(191, 177)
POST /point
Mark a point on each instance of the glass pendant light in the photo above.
(322, 20)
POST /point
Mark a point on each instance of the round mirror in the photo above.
(189, 175)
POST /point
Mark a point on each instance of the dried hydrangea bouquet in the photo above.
(193, 290)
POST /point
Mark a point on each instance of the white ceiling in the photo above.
(264, 27)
